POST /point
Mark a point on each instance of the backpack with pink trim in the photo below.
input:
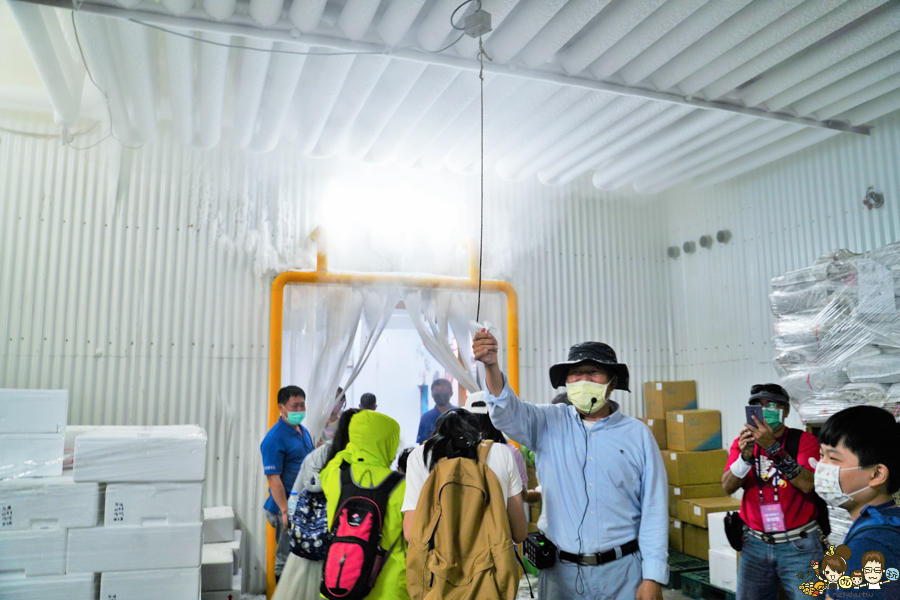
(355, 556)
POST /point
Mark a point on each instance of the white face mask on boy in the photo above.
(828, 484)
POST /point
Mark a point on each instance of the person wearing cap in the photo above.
(605, 494)
(774, 465)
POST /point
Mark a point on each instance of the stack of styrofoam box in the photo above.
(220, 569)
(723, 559)
(150, 542)
(38, 502)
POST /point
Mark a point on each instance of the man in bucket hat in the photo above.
(604, 484)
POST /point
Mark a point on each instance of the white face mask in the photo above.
(828, 484)
(587, 396)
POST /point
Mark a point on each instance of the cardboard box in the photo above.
(676, 535)
(148, 454)
(658, 427)
(695, 468)
(33, 411)
(35, 552)
(696, 541)
(662, 396)
(688, 492)
(694, 430)
(59, 587)
(135, 504)
(102, 549)
(218, 524)
(48, 503)
(31, 455)
(716, 525)
(697, 510)
(723, 569)
(216, 568)
(171, 584)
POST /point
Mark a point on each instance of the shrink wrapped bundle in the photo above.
(837, 333)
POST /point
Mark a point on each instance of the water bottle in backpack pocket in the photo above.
(355, 556)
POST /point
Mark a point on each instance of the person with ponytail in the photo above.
(456, 435)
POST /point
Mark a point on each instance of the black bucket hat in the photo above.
(591, 352)
(771, 392)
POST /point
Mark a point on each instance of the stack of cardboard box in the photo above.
(694, 459)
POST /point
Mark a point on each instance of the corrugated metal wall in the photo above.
(782, 217)
(140, 281)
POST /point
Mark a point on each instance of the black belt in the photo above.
(600, 558)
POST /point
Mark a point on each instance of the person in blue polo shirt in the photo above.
(283, 450)
(441, 391)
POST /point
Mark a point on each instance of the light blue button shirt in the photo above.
(613, 466)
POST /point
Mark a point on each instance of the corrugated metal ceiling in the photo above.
(641, 92)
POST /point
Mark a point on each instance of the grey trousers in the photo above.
(283, 539)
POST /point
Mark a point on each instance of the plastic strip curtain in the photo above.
(435, 313)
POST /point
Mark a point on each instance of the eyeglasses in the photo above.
(871, 570)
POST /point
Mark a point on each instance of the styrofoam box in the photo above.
(153, 504)
(48, 503)
(33, 552)
(33, 411)
(102, 549)
(141, 454)
(31, 455)
(717, 538)
(60, 587)
(218, 524)
(216, 567)
(234, 546)
(723, 569)
(222, 595)
(170, 584)
(72, 432)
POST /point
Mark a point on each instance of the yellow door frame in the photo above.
(322, 276)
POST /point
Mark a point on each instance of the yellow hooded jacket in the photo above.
(373, 441)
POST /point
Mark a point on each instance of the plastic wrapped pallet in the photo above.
(837, 335)
(48, 503)
(146, 454)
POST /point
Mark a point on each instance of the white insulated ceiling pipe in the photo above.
(570, 19)
(53, 68)
(861, 80)
(520, 28)
(212, 71)
(397, 19)
(356, 17)
(317, 100)
(250, 80)
(266, 12)
(180, 70)
(305, 15)
(281, 83)
(139, 58)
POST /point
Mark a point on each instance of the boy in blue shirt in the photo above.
(283, 450)
(860, 471)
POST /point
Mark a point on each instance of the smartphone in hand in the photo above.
(754, 411)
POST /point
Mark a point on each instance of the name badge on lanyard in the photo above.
(771, 512)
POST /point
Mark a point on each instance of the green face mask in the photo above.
(295, 418)
(773, 417)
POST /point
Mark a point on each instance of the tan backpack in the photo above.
(460, 543)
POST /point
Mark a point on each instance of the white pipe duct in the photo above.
(861, 80)
(64, 95)
(363, 76)
(178, 7)
(756, 44)
(639, 39)
(750, 20)
(95, 42)
(356, 17)
(530, 96)
(435, 28)
(306, 14)
(139, 58)
(266, 12)
(467, 47)
(180, 69)
(843, 15)
(319, 98)
(219, 9)
(885, 86)
(690, 30)
(570, 19)
(61, 34)
(281, 83)
(398, 17)
(210, 97)
(617, 22)
(520, 28)
(250, 80)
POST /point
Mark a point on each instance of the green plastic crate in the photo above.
(696, 585)
(680, 564)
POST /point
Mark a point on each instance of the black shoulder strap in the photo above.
(792, 443)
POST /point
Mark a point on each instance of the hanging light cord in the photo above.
(481, 56)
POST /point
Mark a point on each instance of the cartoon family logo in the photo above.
(832, 573)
